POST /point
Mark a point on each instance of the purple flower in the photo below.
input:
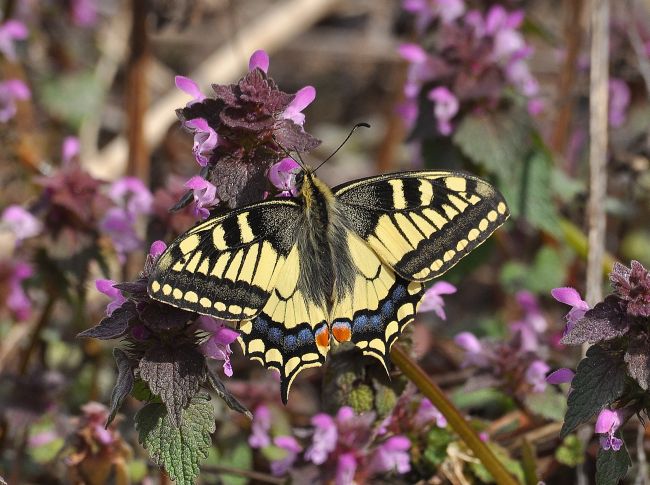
(445, 108)
(157, 248)
(619, 100)
(607, 423)
(69, 149)
(323, 440)
(21, 223)
(292, 448)
(519, 75)
(475, 354)
(283, 176)
(84, 13)
(300, 101)
(498, 19)
(42, 438)
(17, 300)
(10, 31)
(420, 68)
(10, 91)
(427, 413)
(346, 467)
(119, 225)
(116, 296)
(532, 325)
(259, 437)
(432, 299)
(536, 375)
(205, 195)
(131, 194)
(190, 87)
(428, 10)
(205, 140)
(392, 455)
(259, 60)
(217, 346)
(571, 297)
(560, 376)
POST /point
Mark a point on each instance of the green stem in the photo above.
(575, 238)
(456, 420)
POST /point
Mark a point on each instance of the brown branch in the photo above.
(253, 475)
(35, 337)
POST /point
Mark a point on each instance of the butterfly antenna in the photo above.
(288, 154)
(354, 128)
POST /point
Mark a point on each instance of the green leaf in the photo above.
(231, 454)
(124, 382)
(571, 452)
(174, 373)
(513, 466)
(612, 466)
(178, 449)
(599, 381)
(547, 271)
(436, 449)
(550, 404)
(497, 141)
(72, 97)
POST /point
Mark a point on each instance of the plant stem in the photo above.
(34, 338)
(455, 419)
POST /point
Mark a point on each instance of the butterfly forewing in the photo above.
(422, 223)
(227, 266)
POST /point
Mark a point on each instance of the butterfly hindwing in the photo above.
(227, 266)
(422, 223)
(291, 333)
(373, 314)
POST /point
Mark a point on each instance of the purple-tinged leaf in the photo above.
(607, 320)
(599, 381)
(113, 326)
(162, 317)
(292, 137)
(231, 401)
(633, 285)
(637, 359)
(174, 374)
(612, 466)
(123, 385)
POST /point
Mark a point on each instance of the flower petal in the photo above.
(260, 60)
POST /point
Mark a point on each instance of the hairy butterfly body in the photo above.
(329, 266)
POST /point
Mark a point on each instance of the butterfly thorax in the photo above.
(325, 264)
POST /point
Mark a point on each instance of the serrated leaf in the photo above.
(124, 382)
(550, 404)
(174, 374)
(571, 452)
(179, 449)
(612, 466)
(141, 392)
(605, 321)
(497, 141)
(231, 401)
(113, 326)
(599, 381)
(637, 359)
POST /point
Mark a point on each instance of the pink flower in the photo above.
(283, 176)
(449, 10)
(571, 297)
(132, 195)
(157, 248)
(532, 325)
(84, 13)
(11, 31)
(536, 375)
(259, 437)
(346, 467)
(445, 108)
(475, 354)
(69, 149)
(205, 140)
(428, 10)
(17, 300)
(21, 222)
(217, 346)
(291, 447)
(519, 75)
(119, 225)
(10, 91)
(190, 87)
(432, 299)
(607, 423)
(560, 376)
(427, 413)
(205, 195)
(107, 287)
(300, 101)
(259, 60)
(324, 439)
(619, 100)
(392, 455)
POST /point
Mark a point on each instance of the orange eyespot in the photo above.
(323, 337)
(342, 331)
